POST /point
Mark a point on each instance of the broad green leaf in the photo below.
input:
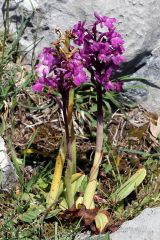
(77, 184)
(93, 108)
(101, 221)
(106, 237)
(129, 186)
(63, 204)
(32, 213)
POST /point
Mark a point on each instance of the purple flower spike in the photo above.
(109, 86)
(117, 59)
(55, 71)
(101, 50)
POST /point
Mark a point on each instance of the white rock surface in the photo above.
(8, 177)
(144, 227)
(138, 20)
(148, 94)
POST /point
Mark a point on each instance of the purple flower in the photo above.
(79, 31)
(38, 87)
(109, 86)
(103, 20)
(117, 59)
(42, 70)
(56, 71)
(116, 42)
(79, 78)
(46, 57)
(101, 49)
(119, 86)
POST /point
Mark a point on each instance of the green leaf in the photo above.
(32, 214)
(101, 221)
(129, 186)
(88, 115)
(83, 184)
(63, 204)
(52, 213)
(107, 168)
(41, 183)
(106, 237)
(75, 187)
(25, 233)
(93, 108)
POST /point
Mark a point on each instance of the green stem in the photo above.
(92, 184)
(53, 194)
(69, 140)
(73, 139)
(99, 140)
(66, 125)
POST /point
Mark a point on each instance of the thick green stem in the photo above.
(92, 184)
(66, 125)
(73, 139)
(70, 140)
(56, 181)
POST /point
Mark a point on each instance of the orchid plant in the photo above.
(60, 69)
(101, 49)
(87, 53)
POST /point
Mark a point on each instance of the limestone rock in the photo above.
(138, 20)
(8, 177)
(148, 92)
(146, 226)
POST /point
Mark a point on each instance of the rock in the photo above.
(8, 177)
(146, 226)
(149, 85)
(83, 236)
(138, 20)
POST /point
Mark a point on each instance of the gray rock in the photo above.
(146, 226)
(138, 20)
(148, 87)
(8, 176)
